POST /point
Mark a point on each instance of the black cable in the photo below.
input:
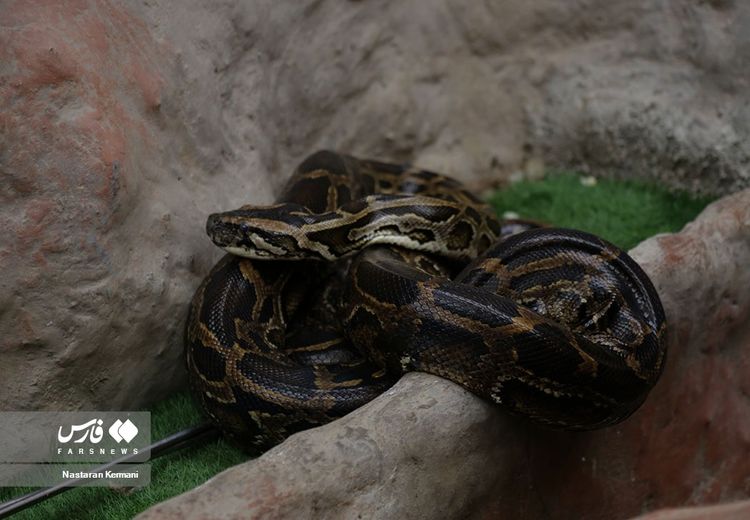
(176, 441)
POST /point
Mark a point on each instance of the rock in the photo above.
(427, 449)
(627, 88)
(396, 457)
(105, 184)
(732, 511)
(122, 131)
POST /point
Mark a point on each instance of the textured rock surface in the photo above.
(732, 511)
(396, 457)
(105, 185)
(121, 130)
(643, 87)
(427, 449)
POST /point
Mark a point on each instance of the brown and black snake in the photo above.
(364, 270)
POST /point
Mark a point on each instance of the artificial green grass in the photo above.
(622, 212)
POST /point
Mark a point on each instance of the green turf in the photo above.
(623, 212)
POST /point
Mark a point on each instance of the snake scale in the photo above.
(364, 270)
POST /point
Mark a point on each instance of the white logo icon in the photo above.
(123, 431)
(91, 429)
(93, 432)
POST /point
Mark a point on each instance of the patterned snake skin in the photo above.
(364, 270)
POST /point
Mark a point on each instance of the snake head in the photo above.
(267, 232)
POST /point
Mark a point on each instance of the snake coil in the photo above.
(363, 270)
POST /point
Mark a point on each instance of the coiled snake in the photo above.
(364, 270)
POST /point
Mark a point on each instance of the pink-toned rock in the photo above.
(427, 449)
(731, 511)
(102, 210)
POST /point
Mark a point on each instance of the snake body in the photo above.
(363, 270)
